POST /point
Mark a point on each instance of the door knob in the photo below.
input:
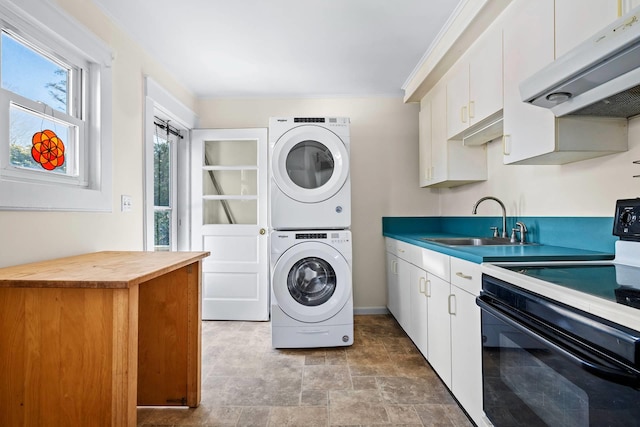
(262, 231)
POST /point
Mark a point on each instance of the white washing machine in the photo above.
(311, 296)
(310, 184)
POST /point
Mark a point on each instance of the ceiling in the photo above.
(272, 48)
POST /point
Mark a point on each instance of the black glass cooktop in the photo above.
(618, 283)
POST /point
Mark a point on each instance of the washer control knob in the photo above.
(345, 338)
(339, 209)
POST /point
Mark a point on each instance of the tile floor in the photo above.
(381, 380)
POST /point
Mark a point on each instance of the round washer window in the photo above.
(311, 281)
(309, 164)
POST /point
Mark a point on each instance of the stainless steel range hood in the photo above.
(600, 77)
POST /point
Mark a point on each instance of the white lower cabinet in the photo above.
(393, 286)
(439, 331)
(418, 308)
(400, 256)
(432, 296)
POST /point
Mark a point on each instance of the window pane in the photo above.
(161, 172)
(34, 76)
(230, 211)
(162, 230)
(232, 182)
(23, 125)
(231, 153)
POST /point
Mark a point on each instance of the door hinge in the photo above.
(182, 401)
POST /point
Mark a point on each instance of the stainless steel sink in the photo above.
(474, 241)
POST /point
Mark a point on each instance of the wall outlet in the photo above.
(126, 203)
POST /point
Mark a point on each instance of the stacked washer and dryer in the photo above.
(310, 215)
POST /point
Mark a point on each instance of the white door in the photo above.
(229, 219)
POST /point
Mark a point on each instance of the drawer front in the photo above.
(408, 252)
(435, 263)
(405, 251)
(466, 275)
(390, 244)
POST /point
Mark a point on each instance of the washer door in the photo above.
(310, 164)
(311, 282)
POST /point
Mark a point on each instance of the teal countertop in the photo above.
(592, 239)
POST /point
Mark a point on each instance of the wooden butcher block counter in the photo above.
(85, 339)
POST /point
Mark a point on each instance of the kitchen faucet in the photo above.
(504, 212)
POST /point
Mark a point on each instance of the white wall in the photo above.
(384, 168)
(33, 236)
(586, 188)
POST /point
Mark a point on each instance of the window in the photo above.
(167, 175)
(55, 112)
(165, 142)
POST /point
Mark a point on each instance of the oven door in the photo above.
(532, 378)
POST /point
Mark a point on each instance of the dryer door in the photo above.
(310, 164)
(311, 282)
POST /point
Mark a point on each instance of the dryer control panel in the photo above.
(330, 236)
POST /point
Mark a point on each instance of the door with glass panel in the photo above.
(229, 217)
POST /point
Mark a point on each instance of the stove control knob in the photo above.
(627, 217)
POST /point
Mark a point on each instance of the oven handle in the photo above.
(618, 376)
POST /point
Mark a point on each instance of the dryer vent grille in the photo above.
(308, 120)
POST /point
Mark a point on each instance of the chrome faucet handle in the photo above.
(522, 230)
(495, 231)
(513, 238)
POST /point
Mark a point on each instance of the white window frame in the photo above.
(57, 33)
(158, 101)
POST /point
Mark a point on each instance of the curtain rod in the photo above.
(164, 125)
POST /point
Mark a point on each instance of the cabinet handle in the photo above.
(422, 284)
(472, 109)
(463, 114)
(428, 293)
(394, 266)
(451, 303)
(506, 151)
(464, 276)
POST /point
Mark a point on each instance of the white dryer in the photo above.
(310, 184)
(311, 296)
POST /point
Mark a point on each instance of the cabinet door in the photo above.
(418, 289)
(393, 289)
(466, 352)
(528, 46)
(404, 296)
(424, 122)
(439, 332)
(577, 20)
(458, 99)
(439, 160)
(485, 76)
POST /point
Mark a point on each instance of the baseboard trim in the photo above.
(370, 310)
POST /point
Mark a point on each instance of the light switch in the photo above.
(126, 204)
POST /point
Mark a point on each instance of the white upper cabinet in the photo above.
(577, 20)
(474, 88)
(458, 99)
(533, 135)
(445, 163)
(528, 130)
(424, 135)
